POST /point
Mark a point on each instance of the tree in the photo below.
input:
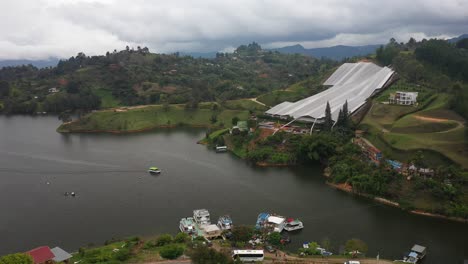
(356, 245)
(328, 121)
(171, 251)
(241, 233)
(204, 255)
(181, 237)
(18, 258)
(274, 239)
(163, 240)
(4, 88)
(235, 120)
(213, 119)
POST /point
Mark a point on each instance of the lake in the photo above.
(116, 197)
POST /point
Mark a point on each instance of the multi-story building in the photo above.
(403, 98)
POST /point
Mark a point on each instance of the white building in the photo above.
(351, 82)
(403, 98)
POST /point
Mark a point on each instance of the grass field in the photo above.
(153, 116)
(107, 99)
(400, 131)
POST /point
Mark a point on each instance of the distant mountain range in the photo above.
(37, 63)
(455, 40)
(335, 53)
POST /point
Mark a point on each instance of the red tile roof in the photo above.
(41, 254)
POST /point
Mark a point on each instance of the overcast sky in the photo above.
(38, 29)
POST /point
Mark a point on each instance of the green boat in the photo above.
(154, 170)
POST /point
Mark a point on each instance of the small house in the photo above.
(41, 255)
(212, 231)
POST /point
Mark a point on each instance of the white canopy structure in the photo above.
(352, 82)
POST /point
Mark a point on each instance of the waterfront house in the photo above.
(41, 255)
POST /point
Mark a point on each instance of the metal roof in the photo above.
(276, 220)
(418, 249)
(60, 254)
(352, 82)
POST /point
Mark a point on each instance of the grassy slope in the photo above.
(147, 117)
(399, 131)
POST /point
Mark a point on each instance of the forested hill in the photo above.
(132, 77)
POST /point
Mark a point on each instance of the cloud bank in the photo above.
(38, 29)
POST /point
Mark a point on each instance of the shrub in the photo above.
(204, 255)
(274, 239)
(171, 251)
(18, 258)
(181, 238)
(163, 240)
(123, 254)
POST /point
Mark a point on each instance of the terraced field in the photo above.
(400, 131)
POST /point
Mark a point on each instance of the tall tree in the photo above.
(328, 122)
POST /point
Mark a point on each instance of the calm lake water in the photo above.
(117, 198)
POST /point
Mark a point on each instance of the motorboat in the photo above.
(293, 224)
(225, 222)
(154, 170)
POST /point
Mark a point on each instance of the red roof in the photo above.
(41, 254)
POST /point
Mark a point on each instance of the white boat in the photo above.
(221, 149)
(225, 222)
(293, 224)
(202, 217)
(187, 225)
(276, 222)
(416, 254)
(154, 170)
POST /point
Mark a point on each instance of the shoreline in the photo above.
(146, 129)
(341, 187)
(348, 189)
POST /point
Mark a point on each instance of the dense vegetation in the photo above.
(135, 77)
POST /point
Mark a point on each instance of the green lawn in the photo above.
(148, 117)
(107, 99)
(245, 104)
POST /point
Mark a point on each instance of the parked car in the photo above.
(352, 262)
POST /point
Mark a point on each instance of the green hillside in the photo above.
(138, 77)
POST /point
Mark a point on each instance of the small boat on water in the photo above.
(416, 254)
(293, 224)
(154, 170)
(187, 225)
(202, 217)
(225, 222)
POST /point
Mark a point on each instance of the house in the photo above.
(53, 90)
(212, 231)
(41, 255)
(60, 255)
(403, 98)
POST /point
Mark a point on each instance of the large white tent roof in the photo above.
(352, 82)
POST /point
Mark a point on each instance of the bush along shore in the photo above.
(186, 249)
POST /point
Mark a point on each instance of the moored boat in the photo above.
(261, 220)
(293, 224)
(201, 217)
(187, 225)
(225, 222)
(416, 254)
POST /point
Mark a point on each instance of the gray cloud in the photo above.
(32, 29)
